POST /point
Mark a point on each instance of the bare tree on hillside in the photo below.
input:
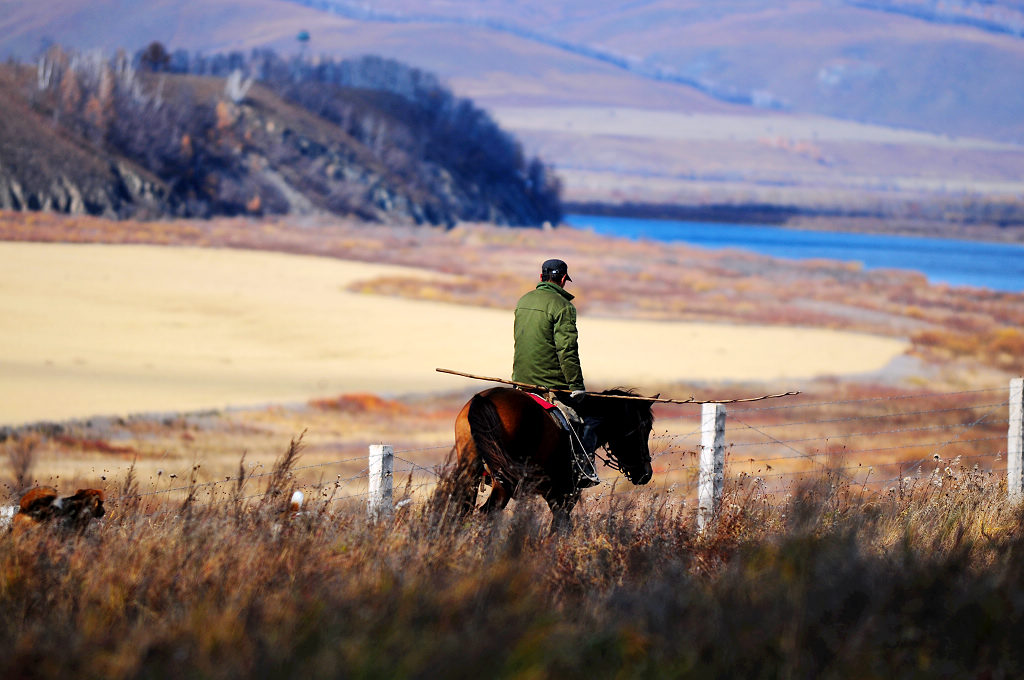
(236, 87)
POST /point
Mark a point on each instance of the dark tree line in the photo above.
(458, 135)
(416, 145)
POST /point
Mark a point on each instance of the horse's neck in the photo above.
(610, 421)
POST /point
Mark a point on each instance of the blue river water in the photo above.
(997, 266)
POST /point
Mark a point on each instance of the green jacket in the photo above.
(546, 349)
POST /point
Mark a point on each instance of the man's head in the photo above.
(555, 271)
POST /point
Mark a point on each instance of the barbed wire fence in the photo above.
(873, 442)
(376, 483)
(876, 443)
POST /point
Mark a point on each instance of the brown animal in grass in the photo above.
(42, 506)
(295, 507)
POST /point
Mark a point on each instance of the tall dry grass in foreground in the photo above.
(826, 581)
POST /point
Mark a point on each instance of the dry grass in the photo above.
(823, 577)
(20, 452)
(875, 434)
(828, 576)
(825, 581)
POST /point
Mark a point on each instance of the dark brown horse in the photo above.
(525, 451)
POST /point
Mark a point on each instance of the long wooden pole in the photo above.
(691, 400)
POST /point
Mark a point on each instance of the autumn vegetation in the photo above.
(191, 136)
(825, 581)
(963, 351)
(876, 540)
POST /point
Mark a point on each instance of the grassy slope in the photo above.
(828, 582)
(826, 58)
(36, 149)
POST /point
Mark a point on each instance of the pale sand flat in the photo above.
(92, 330)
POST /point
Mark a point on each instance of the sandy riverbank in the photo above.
(88, 329)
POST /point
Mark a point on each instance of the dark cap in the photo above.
(555, 269)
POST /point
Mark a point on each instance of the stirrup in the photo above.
(586, 471)
(583, 464)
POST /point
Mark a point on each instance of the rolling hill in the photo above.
(903, 64)
(897, 63)
(875, 107)
(370, 138)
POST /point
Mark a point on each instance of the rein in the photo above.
(612, 460)
(609, 461)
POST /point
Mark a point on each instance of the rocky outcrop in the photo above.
(118, 193)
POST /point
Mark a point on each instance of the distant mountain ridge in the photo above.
(997, 17)
(907, 63)
(371, 138)
(945, 67)
(733, 95)
(662, 103)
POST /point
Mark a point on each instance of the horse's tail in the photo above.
(488, 435)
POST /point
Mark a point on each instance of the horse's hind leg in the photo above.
(468, 474)
(498, 499)
(467, 479)
(469, 470)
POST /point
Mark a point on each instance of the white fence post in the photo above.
(712, 464)
(382, 465)
(1015, 442)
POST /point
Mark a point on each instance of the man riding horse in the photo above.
(547, 354)
(505, 435)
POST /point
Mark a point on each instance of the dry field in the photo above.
(825, 581)
(891, 369)
(101, 330)
(864, 532)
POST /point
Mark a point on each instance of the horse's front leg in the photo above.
(561, 513)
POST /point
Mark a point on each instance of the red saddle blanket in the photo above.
(544, 403)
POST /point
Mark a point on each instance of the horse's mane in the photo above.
(640, 407)
(621, 392)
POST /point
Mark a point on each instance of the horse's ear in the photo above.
(657, 395)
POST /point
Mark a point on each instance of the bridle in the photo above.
(612, 460)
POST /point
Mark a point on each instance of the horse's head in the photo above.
(626, 425)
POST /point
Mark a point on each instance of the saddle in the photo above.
(558, 413)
